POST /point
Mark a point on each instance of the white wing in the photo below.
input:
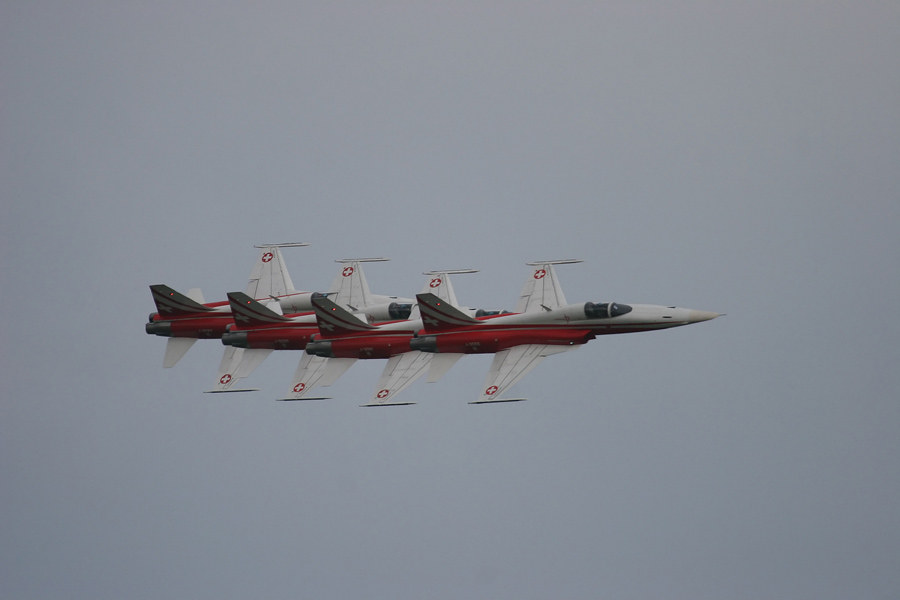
(237, 364)
(314, 371)
(269, 276)
(350, 287)
(542, 290)
(399, 373)
(510, 366)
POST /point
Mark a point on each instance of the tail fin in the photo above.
(269, 276)
(438, 315)
(541, 290)
(350, 288)
(247, 311)
(172, 304)
(335, 320)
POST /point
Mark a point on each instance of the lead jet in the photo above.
(185, 318)
(542, 324)
(259, 329)
(344, 338)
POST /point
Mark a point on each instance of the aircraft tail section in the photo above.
(542, 290)
(269, 276)
(176, 348)
(170, 303)
(334, 320)
(248, 312)
(438, 315)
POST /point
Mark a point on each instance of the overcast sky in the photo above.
(739, 157)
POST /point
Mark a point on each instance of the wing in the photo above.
(237, 364)
(314, 371)
(400, 371)
(350, 287)
(510, 366)
(269, 276)
(542, 290)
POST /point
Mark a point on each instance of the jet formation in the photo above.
(427, 334)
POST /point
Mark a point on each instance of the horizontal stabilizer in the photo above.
(230, 391)
(196, 295)
(247, 311)
(175, 349)
(302, 399)
(440, 364)
(439, 314)
(170, 303)
(334, 368)
(388, 404)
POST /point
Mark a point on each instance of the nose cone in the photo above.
(698, 316)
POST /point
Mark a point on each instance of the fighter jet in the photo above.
(343, 339)
(258, 329)
(185, 318)
(542, 324)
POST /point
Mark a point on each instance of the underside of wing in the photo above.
(307, 376)
(237, 364)
(399, 373)
(510, 366)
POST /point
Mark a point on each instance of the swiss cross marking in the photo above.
(299, 387)
(539, 274)
(347, 272)
(382, 394)
(435, 282)
(491, 390)
(225, 378)
(267, 257)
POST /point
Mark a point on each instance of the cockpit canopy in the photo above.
(605, 310)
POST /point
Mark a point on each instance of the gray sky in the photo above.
(737, 157)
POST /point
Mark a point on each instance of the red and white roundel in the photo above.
(299, 387)
(491, 390)
(539, 274)
(225, 378)
(382, 394)
(347, 272)
(267, 257)
(435, 282)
